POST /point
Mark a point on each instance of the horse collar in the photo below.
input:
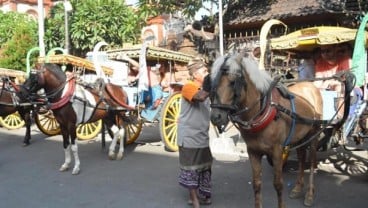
(65, 98)
(263, 119)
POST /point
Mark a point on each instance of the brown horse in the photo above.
(12, 100)
(74, 103)
(269, 118)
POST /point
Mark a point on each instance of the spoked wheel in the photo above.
(12, 121)
(89, 131)
(46, 122)
(134, 129)
(168, 123)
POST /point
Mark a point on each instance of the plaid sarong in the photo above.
(195, 169)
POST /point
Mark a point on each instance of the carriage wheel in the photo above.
(46, 122)
(134, 129)
(168, 123)
(89, 131)
(12, 121)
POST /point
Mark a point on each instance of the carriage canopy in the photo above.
(309, 38)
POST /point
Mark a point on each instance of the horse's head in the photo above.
(47, 76)
(232, 78)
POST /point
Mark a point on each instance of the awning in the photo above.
(309, 38)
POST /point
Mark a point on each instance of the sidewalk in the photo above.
(228, 145)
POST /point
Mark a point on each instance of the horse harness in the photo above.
(270, 109)
(68, 94)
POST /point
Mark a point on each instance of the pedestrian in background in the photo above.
(195, 156)
(306, 69)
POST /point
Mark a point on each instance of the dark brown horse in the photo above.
(11, 101)
(73, 103)
(270, 120)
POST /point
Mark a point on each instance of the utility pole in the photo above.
(67, 8)
(41, 28)
(221, 30)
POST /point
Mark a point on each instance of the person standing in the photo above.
(195, 156)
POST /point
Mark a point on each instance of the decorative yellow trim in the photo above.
(153, 53)
(75, 61)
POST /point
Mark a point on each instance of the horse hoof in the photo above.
(112, 156)
(308, 201)
(295, 194)
(119, 156)
(63, 168)
(25, 144)
(76, 171)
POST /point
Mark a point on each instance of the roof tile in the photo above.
(258, 10)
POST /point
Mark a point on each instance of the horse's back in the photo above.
(117, 93)
(309, 92)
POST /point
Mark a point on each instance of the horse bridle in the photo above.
(235, 109)
(37, 78)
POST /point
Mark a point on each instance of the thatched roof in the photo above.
(256, 12)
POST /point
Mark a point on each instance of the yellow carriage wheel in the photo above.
(47, 123)
(134, 129)
(89, 131)
(12, 121)
(168, 123)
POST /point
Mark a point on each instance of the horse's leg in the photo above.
(26, 116)
(309, 195)
(73, 136)
(255, 160)
(278, 180)
(296, 192)
(122, 143)
(67, 151)
(114, 141)
(76, 168)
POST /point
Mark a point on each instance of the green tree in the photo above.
(92, 21)
(18, 34)
(188, 8)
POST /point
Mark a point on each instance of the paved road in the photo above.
(147, 176)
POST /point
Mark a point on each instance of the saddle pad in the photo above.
(83, 104)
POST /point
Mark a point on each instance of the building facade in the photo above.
(29, 7)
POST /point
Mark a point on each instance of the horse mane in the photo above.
(239, 63)
(55, 69)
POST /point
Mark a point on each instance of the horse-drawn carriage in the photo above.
(74, 96)
(275, 115)
(302, 45)
(9, 78)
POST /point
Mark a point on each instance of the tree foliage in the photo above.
(18, 34)
(92, 21)
(188, 8)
